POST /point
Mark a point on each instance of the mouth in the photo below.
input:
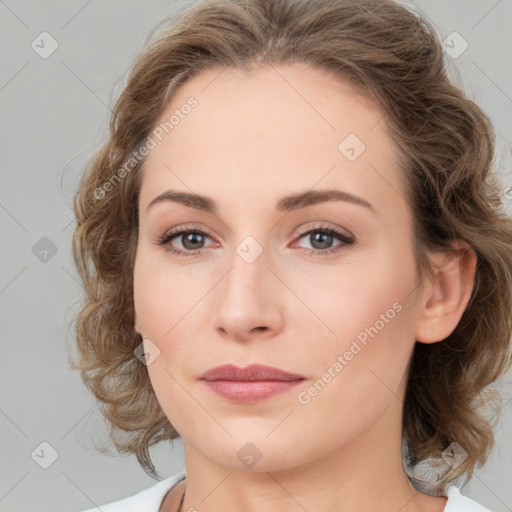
(251, 384)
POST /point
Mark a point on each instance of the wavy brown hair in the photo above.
(446, 146)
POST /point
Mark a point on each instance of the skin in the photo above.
(252, 139)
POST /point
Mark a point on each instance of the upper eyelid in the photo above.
(324, 225)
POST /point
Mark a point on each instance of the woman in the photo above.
(296, 259)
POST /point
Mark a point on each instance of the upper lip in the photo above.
(253, 372)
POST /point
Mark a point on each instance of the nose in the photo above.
(249, 298)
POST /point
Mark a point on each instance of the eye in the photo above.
(321, 239)
(191, 240)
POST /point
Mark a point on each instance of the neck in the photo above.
(364, 473)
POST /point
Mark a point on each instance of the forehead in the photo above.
(258, 135)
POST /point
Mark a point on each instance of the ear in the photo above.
(446, 296)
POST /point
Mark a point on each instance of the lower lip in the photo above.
(250, 391)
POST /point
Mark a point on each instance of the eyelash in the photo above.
(345, 239)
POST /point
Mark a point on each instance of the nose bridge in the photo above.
(248, 265)
(247, 297)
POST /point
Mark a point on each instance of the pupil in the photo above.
(320, 240)
(191, 237)
(327, 238)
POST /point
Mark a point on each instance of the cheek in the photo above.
(161, 294)
(353, 296)
(172, 307)
(359, 371)
(366, 311)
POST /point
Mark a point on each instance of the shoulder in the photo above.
(459, 503)
(147, 500)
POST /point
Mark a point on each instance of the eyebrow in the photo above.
(285, 204)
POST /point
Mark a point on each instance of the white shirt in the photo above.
(149, 500)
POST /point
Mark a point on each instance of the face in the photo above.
(323, 289)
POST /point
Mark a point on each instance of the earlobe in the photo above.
(135, 327)
(447, 295)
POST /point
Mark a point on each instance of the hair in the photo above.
(446, 145)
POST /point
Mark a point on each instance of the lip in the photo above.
(253, 372)
(251, 384)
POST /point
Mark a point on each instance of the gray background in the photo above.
(54, 115)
